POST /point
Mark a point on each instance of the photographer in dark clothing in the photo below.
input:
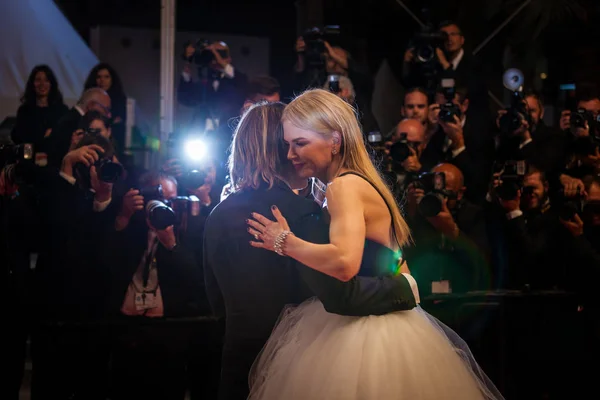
(70, 278)
(535, 243)
(583, 132)
(218, 94)
(154, 275)
(450, 251)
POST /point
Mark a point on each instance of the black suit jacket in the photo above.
(250, 286)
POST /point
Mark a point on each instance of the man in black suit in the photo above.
(58, 142)
(250, 287)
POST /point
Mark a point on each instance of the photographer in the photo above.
(70, 276)
(534, 243)
(530, 139)
(403, 153)
(582, 127)
(218, 95)
(58, 141)
(468, 143)
(318, 59)
(416, 106)
(154, 276)
(450, 248)
(434, 56)
(585, 230)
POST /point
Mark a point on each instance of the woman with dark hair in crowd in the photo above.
(106, 78)
(41, 107)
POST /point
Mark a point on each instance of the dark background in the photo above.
(566, 32)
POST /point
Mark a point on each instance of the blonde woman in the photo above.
(313, 354)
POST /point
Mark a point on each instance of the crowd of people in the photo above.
(148, 284)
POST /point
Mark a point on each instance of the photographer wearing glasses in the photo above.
(154, 275)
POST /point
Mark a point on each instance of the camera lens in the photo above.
(160, 215)
(109, 171)
(400, 151)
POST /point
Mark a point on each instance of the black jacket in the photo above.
(250, 286)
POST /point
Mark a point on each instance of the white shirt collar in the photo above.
(79, 110)
(457, 59)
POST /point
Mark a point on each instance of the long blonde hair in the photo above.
(323, 112)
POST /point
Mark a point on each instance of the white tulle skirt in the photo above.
(410, 355)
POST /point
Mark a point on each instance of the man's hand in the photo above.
(166, 237)
(414, 197)
(86, 155)
(409, 55)
(572, 186)
(102, 190)
(220, 60)
(512, 204)
(189, 51)
(565, 120)
(173, 167)
(132, 202)
(300, 45)
(433, 117)
(203, 193)
(444, 222)
(442, 58)
(575, 226)
(501, 113)
(454, 131)
(340, 58)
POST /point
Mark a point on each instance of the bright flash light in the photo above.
(195, 149)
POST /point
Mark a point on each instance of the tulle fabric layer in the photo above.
(313, 354)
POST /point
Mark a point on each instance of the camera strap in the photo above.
(148, 262)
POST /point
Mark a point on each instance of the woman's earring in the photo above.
(334, 151)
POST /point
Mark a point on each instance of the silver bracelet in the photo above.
(280, 241)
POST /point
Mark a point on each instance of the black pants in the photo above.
(204, 361)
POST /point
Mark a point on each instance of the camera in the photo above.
(401, 149)
(425, 43)
(108, 171)
(160, 215)
(568, 207)
(314, 39)
(581, 116)
(203, 56)
(586, 145)
(434, 186)
(513, 80)
(515, 114)
(511, 173)
(11, 153)
(449, 110)
(163, 213)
